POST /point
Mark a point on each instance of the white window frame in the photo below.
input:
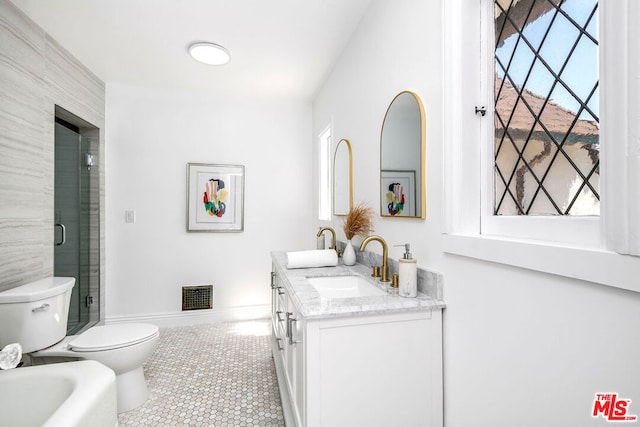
(577, 247)
(325, 207)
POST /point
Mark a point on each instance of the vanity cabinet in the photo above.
(288, 350)
(380, 369)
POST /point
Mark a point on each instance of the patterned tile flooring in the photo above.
(213, 375)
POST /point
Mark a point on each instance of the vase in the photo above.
(349, 254)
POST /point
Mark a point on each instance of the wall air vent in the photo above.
(198, 297)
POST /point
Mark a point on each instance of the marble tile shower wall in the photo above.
(36, 74)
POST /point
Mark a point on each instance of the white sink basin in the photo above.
(69, 394)
(344, 287)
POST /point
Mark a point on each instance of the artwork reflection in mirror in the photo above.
(342, 178)
(399, 192)
(402, 157)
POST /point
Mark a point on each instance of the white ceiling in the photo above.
(279, 48)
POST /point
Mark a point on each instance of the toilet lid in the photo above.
(109, 337)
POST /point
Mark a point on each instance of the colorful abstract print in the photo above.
(395, 199)
(215, 198)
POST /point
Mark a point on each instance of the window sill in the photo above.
(593, 265)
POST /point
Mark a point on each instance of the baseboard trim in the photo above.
(188, 318)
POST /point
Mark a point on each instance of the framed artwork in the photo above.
(215, 197)
(398, 192)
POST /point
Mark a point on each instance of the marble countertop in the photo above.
(311, 305)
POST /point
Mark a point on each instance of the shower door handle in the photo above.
(63, 235)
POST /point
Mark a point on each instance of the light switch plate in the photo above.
(130, 216)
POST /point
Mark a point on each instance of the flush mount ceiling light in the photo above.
(209, 53)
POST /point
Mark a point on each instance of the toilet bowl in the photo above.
(121, 347)
(36, 317)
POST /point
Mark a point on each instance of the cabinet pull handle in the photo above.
(278, 313)
(280, 347)
(288, 328)
(273, 280)
(291, 340)
(280, 291)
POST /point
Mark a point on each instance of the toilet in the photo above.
(35, 315)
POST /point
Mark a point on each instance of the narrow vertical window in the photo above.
(546, 153)
(324, 181)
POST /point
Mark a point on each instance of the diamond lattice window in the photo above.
(546, 108)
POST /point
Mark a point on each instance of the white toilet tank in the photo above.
(35, 314)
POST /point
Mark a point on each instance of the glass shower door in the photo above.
(72, 240)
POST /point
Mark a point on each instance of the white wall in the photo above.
(397, 47)
(520, 347)
(151, 136)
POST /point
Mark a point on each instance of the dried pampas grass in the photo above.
(359, 221)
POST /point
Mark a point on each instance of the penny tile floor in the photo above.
(209, 375)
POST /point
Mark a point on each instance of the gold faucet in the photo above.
(333, 237)
(385, 255)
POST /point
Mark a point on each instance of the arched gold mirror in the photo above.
(342, 178)
(402, 158)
